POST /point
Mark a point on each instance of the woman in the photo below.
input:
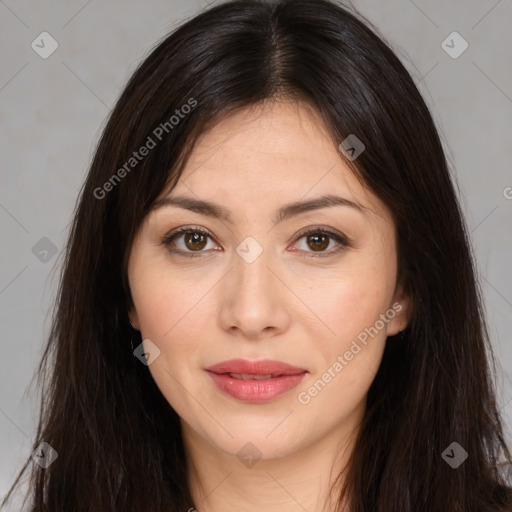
(269, 300)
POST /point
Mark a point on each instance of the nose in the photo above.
(253, 300)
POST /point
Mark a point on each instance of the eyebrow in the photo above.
(217, 211)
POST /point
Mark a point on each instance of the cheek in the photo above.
(172, 315)
(174, 312)
(350, 304)
(350, 301)
(164, 298)
(347, 362)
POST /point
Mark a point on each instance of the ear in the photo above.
(134, 318)
(402, 306)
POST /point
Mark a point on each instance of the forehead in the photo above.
(270, 154)
(271, 133)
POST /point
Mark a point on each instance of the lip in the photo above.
(260, 367)
(284, 377)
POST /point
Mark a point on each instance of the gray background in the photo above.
(53, 110)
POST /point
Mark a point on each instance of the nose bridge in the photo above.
(252, 302)
(252, 275)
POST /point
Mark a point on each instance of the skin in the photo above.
(286, 305)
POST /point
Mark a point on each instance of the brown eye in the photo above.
(188, 241)
(318, 242)
(195, 241)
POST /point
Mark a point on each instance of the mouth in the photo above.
(255, 381)
(245, 376)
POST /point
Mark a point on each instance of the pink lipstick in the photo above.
(255, 381)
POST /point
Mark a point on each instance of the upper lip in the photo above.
(261, 367)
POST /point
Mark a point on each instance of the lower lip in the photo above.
(256, 391)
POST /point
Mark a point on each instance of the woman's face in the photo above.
(246, 283)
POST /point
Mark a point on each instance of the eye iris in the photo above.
(197, 239)
(317, 239)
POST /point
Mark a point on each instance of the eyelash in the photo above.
(340, 239)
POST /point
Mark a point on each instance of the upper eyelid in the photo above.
(183, 229)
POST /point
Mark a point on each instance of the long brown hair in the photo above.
(118, 440)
